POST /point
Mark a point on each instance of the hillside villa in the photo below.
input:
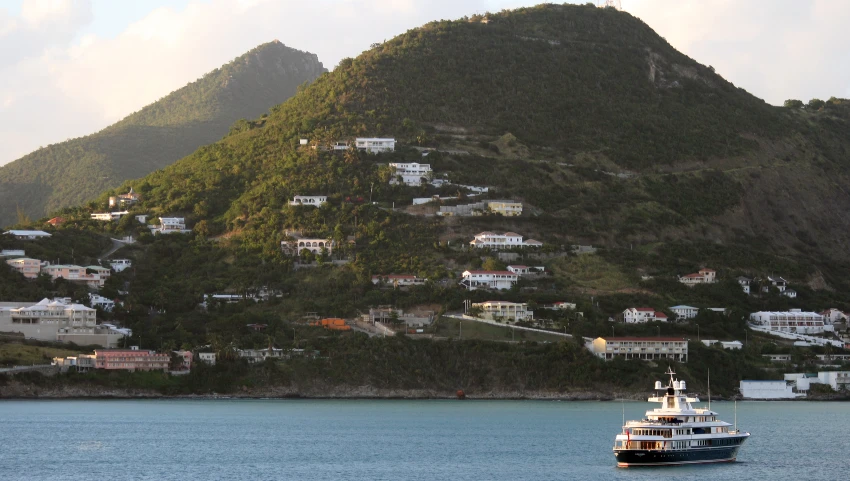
(685, 312)
(704, 276)
(27, 234)
(29, 268)
(508, 240)
(398, 280)
(504, 310)
(170, 225)
(507, 208)
(499, 280)
(315, 245)
(60, 320)
(124, 199)
(637, 315)
(375, 144)
(109, 216)
(643, 348)
(309, 200)
(413, 174)
(526, 270)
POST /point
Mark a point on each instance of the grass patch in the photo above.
(14, 354)
(591, 272)
(449, 327)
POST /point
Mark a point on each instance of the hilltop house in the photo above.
(309, 200)
(27, 234)
(412, 173)
(375, 145)
(505, 310)
(526, 270)
(124, 199)
(795, 321)
(685, 312)
(500, 280)
(636, 315)
(508, 240)
(398, 280)
(704, 276)
(29, 268)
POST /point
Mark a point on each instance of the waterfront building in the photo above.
(802, 381)
(133, 359)
(756, 389)
(643, 348)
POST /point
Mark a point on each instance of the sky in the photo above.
(69, 68)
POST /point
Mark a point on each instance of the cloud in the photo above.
(58, 80)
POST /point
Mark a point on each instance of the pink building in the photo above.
(131, 360)
(92, 276)
(30, 268)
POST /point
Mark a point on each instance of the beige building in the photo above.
(505, 310)
(507, 208)
(30, 268)
(643, 348)
(92, 276)
(60, 321)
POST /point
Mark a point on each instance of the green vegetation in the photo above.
(74, 171)
(16, 354)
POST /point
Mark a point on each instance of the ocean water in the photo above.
(391, 440)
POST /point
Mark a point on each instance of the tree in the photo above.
(793, 104)
(493, 264)
(815, 104)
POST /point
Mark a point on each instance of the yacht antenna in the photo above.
(624, 413)
(709, 389)
(736, 416)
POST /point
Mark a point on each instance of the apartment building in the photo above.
(375, 144)
(505, 310)
(794, 321)
(29, 268)
(60, 320)
(133, 359)
(643, 348)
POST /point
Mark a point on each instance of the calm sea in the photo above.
(390, 440)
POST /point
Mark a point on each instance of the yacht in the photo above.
(677, 433)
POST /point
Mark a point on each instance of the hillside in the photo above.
(607, 135)
(74, 171)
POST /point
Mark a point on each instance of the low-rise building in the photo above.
(832, 315)
(29, 268)
(260, 355)
(724, 344)
(505, 310)
(637, 315)
(704, 276)
(827, 358)
(97, 301)
(185, 358)
(413, 173)
(56, 221)
(27, 234)
(108, 216)
(837, 380)
(562, 305)
(398, 280)
(745, 282)
(508, 240)
(207, 358)
(315, 245)
(790, 293)
(794, 321)
(499, 280)
(778, 357)
(309, 200)
(375, 144)
(12, 253)
(389, 315)
(124, 199)
(643, 348)
(508, 208)
(60, 321)
(170, 225)
(526, 270)
(93, 277)
(685, 312)
(133, 359)
(753, 389)
(119, 265)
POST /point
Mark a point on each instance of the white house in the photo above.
(398, 280)
(119, 265)
(837, 380)
(170, 225)
(685, 312)
(778, 357)
(526, 270)
(635, 315)
(412, 173)
(724, 344)
(374, 145)
(704, 276)
(778, 282)
(506, 310)
(789, 293)
(309, 200)
(508, 240)
(751, 389)
(109, 216)
(12, 253)
(96, 300)
(745, 284)
(314, 245)
(207, 358)
(831, 316)
(561, 305)
(795, 321)
(27, 234)
(500, 280)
